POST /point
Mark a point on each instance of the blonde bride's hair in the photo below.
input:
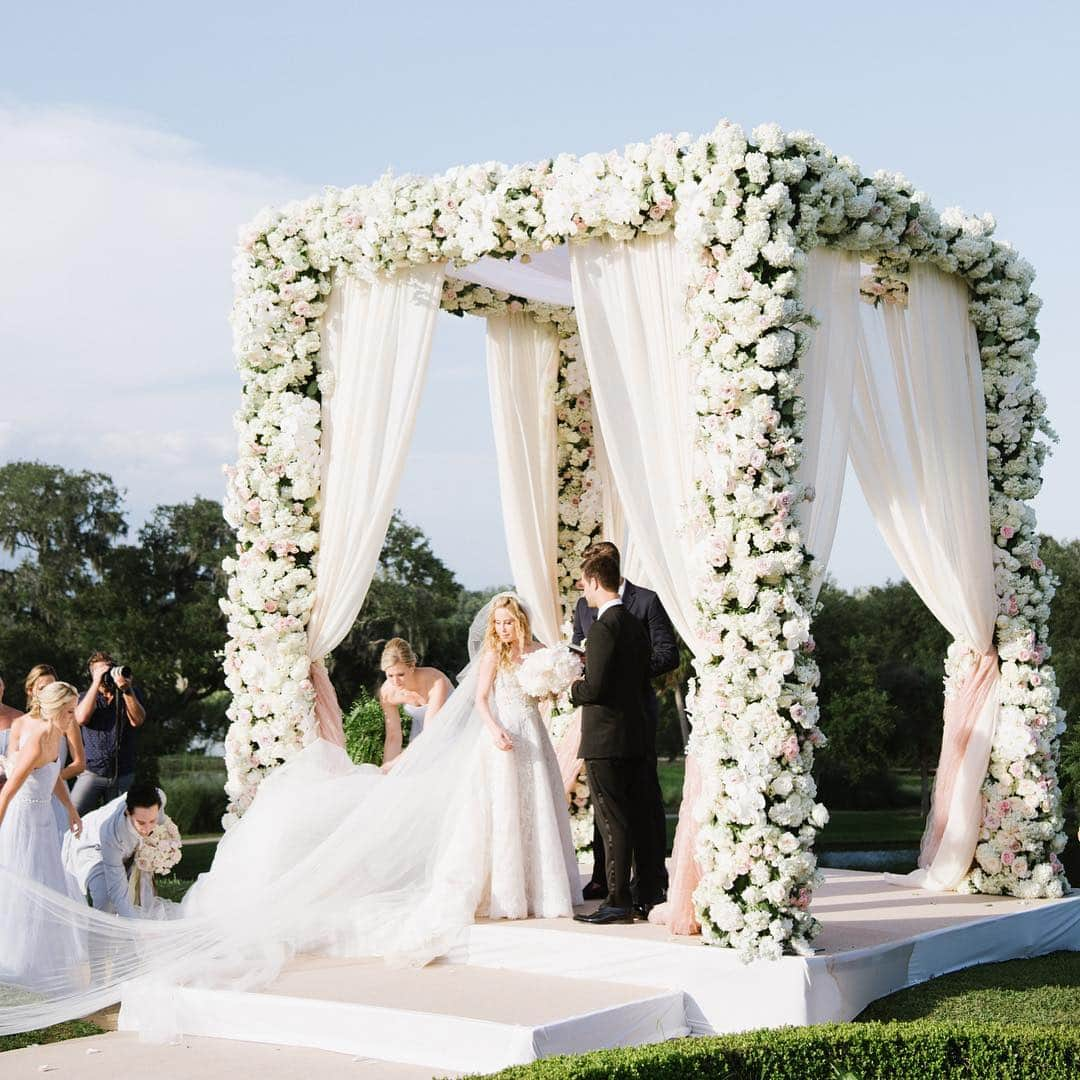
(504, 650)
(51, 699)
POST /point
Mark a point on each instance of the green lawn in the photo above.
(671, 781)
(75, 1029)
(1044, 991)
(871, 828)
(195, 860)
(846, 828)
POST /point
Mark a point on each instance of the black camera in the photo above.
(118, 672)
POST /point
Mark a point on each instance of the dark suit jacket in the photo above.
(645, 606)
(612, 691)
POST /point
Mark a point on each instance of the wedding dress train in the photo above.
(345, 860)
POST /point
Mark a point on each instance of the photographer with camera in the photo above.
(108, 713)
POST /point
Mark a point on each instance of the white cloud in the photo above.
(115, 349)
(114, 338)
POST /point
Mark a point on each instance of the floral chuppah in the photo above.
(749, 208)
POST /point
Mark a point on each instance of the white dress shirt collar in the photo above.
(609, 604)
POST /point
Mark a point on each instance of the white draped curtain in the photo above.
(831, 294)
(523, 366)
(376, 340)
(918, 445)
(613, 526)
(630, 302)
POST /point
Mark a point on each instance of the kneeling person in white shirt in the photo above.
(100, 857)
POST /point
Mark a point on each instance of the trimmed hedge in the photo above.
(173, 765)
(195, 801)
(894, 1051)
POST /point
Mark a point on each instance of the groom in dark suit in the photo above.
(645, 606)
(614, 731)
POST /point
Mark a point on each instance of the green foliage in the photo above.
(919, 1051)
(195, 860)
(365, 730)
(194, 786)
(196, 802)
(74, 1029)
(58, 528)
(1063, 559)
(871, 828)
(75, 586)
(171, 766)
(158, 610)
(670, 775)
(881, 654)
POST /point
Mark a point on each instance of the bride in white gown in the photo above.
(346, 860)
(531, 868)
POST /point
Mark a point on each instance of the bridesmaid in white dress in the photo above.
(35, 951)
(421, 691)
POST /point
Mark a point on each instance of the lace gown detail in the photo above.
(532, 869)
(35, 951)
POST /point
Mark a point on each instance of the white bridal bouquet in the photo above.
(155, 856)
(548, 673)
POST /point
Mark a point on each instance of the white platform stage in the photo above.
(519, 991)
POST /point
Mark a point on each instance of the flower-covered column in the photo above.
(754, 707)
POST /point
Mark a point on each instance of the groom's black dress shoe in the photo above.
(594, 891)
(604, 915)
(642, 911)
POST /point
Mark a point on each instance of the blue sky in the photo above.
(134, 139)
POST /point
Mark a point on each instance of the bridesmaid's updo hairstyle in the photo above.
(53, 698)
(32, 677)
(504, 650)
(397, 651)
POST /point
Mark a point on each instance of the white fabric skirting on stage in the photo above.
(518, 991)
(723, 995)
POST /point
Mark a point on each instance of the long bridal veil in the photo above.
(331, 857)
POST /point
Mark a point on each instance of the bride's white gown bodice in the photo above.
(532, 869)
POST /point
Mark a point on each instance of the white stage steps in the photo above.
(449, 1016)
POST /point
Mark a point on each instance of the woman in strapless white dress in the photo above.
(37, 952)
(421, 691)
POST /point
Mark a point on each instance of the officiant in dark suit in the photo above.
(614, 739)
(645, 606)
